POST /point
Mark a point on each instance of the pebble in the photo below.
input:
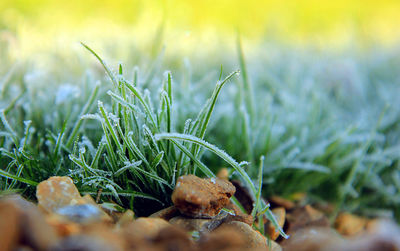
(349, 224)
(238, 215)
(172, 238)
(384, 236)
(31, 224)
(223, 174)
(201, 198)
(201, 225)
(126, 218)
(280, 214)
(281, 202)
(57, 192)
(166, 213)
(9, 230)
(223, 238)
(145, 228)
(303, 217)
(253, 239)
(313, 238)
(84, 243)
(84, 213)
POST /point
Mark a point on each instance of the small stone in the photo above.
(280, 214)
(253, 239)
(84, 243)
(126, 218)
(281, 202)
(201, 198)
(166, 213)
(144, 228)
(201, 225)
(172, 238)
(313, 238)
(23, 248)
(9, 226)
(223, 174)
(223, 238)
(31, 224)
(57, 192)
(384, 236)
(274, 246)
(84, 213)
(313, 213)
(349, 224)
(19, 201)
(87, 199)
(238, 215)
(33, 228)
(303, 217)
(62, 227)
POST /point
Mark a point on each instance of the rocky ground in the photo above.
(202, 218)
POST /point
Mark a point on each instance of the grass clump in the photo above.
(139, 155)
(299, 123)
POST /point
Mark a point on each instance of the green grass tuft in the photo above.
(327, 125)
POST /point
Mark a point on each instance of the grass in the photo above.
(317, 123)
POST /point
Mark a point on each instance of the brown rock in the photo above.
(83, 213)
(19, 201)
(57, 192)
(201, 225)
(223, 239)
(303, 217)
(277, 201)
(199, 198)
(61, 227)
(33, 230)
(85, 243)
(126, 218)
(280, 214)
(273, 246)
(223, 174)
(173, 238)
(87, 199)
(383, 237)
(253, 239)
(348, 224)
(9, 226)
(36, 231)
(313, 238)
(166, 213)
(146, 228)
(104, 232)
(238, 215)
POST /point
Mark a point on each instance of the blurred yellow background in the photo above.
(36, 25)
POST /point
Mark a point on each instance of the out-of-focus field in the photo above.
(37, 25)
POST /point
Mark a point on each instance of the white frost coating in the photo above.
(212, 180)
